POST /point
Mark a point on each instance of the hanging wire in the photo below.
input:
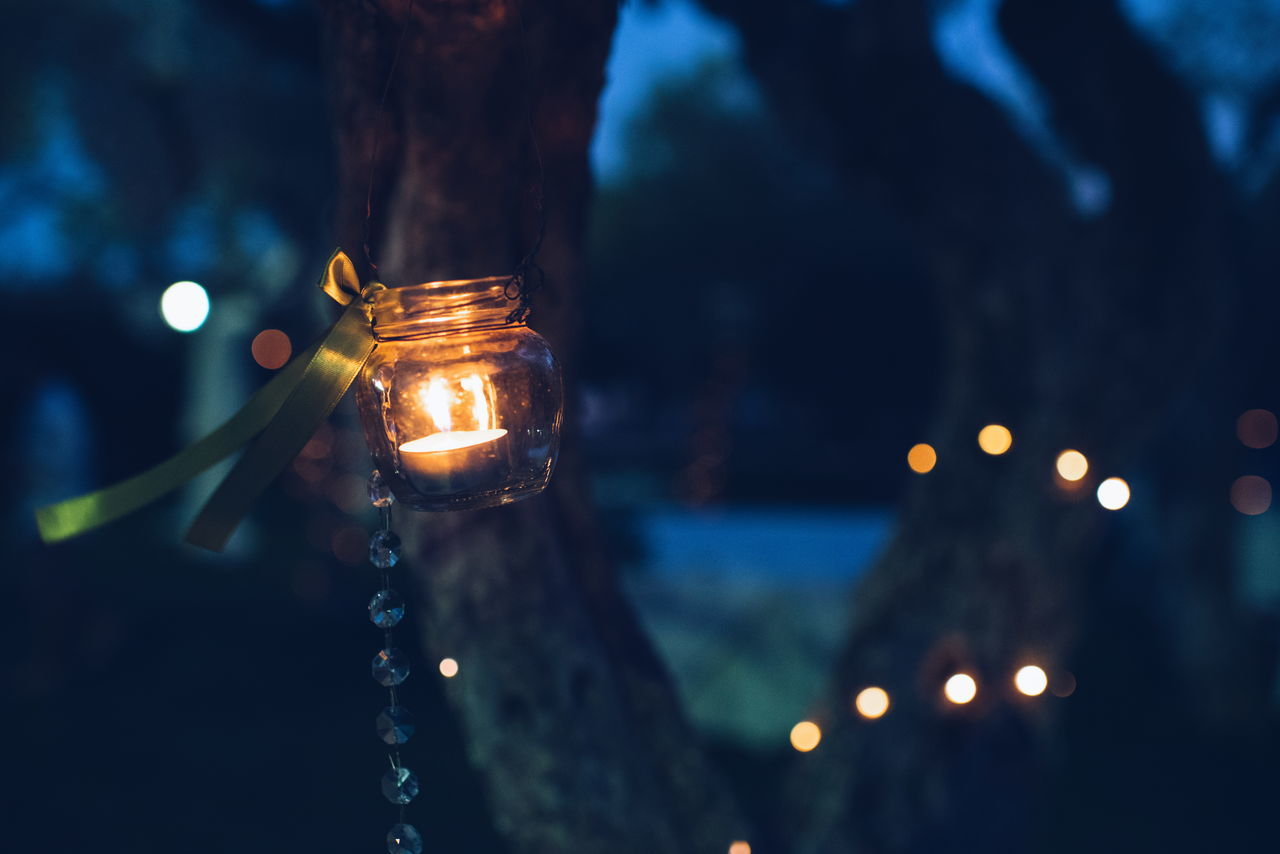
(377, 134)
(528, 278)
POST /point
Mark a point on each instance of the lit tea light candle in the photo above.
(452, 461)
(454, 440)
(457, 461)
(461, 405)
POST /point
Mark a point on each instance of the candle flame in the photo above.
(441, 404)
(435, 397)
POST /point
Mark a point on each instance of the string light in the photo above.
(1113, 493)
(184, 306)
(740, 847)
(922, 458)
(805, 736)
(448, 668)
(995, 439)
(960, 688)
(1031, 680)
(1072, 465)
(872, 702)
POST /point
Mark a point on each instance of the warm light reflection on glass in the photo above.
(271, 349)
(995, 439)
(184, 306)
(1113, 493)
(922, 458)
(1251, 495)
(448, 668)
(805, 736)
(1257, 428)
(1072, 465)
(1031, 680)
(872, 702)
(740, 847)
(961, 688)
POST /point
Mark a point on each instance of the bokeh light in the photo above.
(184, 306)
(961, 688)
(271, 349)
(872, 702)
(1251, 495)
(922, 458)
(448, 668)
(1113, 493)
(740, 847)
(1031, 680)
(995, 439)
(805, 736)
(1256, 428)
(1072, 465)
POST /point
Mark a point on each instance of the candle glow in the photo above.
(452, 440)
(461, 406)
(440, 402)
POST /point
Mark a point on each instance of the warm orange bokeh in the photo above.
(805, 736)
(922, 458)
(995, 439)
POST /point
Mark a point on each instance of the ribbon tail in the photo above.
(76, 516)
(327, 376)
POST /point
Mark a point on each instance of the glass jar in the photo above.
(461, 408)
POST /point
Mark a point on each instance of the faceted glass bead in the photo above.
(395, 725)
(390, 667)
(400, 785)
(384, 549)
(404, 839)
(386, 608)
(379, 493)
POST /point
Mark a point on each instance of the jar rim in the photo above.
(446, 305)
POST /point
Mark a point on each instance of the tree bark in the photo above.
(568, 714)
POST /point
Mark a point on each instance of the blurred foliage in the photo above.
(728, 256)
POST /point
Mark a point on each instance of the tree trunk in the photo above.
(1115, 336)
(568, 714)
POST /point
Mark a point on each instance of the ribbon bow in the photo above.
(286, 412)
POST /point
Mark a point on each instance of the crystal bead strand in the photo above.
(390, 668)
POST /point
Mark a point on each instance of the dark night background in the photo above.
(770, 325)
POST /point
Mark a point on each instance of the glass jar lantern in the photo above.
(461, 408)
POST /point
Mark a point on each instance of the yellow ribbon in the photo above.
(286, 412)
